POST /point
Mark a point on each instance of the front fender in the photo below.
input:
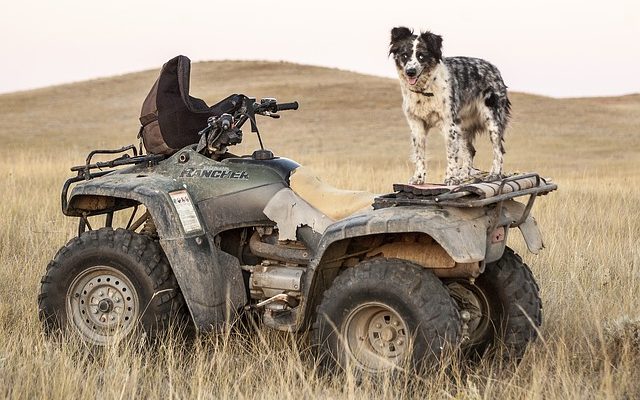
(210, 279)
(149, 190)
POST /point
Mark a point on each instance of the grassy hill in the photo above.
(351, 130)
(340, 111)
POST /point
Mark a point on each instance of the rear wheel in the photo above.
(105, 284)
(383, 314)
(503, 306)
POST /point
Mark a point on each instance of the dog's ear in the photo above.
(433, 42)
(397, 34)
(400, 33)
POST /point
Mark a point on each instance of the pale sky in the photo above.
(556, 48)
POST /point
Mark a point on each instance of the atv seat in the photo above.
(335, 203)
(171, 118)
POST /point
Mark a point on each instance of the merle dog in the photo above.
(461, 96)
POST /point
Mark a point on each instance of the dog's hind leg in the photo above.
(495, 128)
(419, 133)
(495, 116)
(467, 152)
(498, 153)
(453, 175)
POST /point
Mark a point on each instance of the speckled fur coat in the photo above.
(460, 96)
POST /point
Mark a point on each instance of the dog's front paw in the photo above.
(494, 177)
(475, 172)
(461, 177)
(452, 181)
(495, 174)
(418, 179)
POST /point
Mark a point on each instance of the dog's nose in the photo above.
(411, 72)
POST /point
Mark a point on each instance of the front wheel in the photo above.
(106, 283)
(383, 314)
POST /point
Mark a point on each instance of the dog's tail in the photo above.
(506, 103)
(498, 101)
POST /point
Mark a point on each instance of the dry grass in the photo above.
(351, 131)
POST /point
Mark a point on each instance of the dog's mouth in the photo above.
(412, 80)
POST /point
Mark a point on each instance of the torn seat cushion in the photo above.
(335, 203)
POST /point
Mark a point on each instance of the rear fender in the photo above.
(462, 233)
(210, 279)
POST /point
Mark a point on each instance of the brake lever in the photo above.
(272, 115)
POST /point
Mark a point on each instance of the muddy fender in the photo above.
(210, 279)
(461, 232)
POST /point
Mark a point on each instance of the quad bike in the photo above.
(204, 236)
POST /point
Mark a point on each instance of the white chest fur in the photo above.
(433, 110)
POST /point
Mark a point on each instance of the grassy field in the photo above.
(351, 131)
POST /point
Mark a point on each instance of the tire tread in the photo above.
(150, 262)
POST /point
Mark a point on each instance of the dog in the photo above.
(460, 96)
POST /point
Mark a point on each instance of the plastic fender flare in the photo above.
(210, 279)
(461, 232)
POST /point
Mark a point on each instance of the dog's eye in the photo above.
(420, 57)
(404, 57)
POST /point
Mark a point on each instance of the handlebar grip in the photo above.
(287, 106)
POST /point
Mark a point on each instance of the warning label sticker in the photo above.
(186, 212)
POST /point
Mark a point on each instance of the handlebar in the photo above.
(267, 106)
(271, 105)
(225, 130)
(287, 106)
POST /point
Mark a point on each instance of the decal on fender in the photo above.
(187, 214)
(215, 173)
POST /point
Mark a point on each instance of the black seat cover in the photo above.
(179, 115)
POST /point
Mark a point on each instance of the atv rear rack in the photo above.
(469, 195)
(85, 172)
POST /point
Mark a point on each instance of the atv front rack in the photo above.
(469, 195)
(85, 172)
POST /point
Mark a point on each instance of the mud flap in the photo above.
(531, 234)
(213, 278)
(529, 228)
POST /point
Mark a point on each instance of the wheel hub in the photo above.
(105, 305)
(474, 310)
(376, 337)
(388, 334)
(102, 304)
